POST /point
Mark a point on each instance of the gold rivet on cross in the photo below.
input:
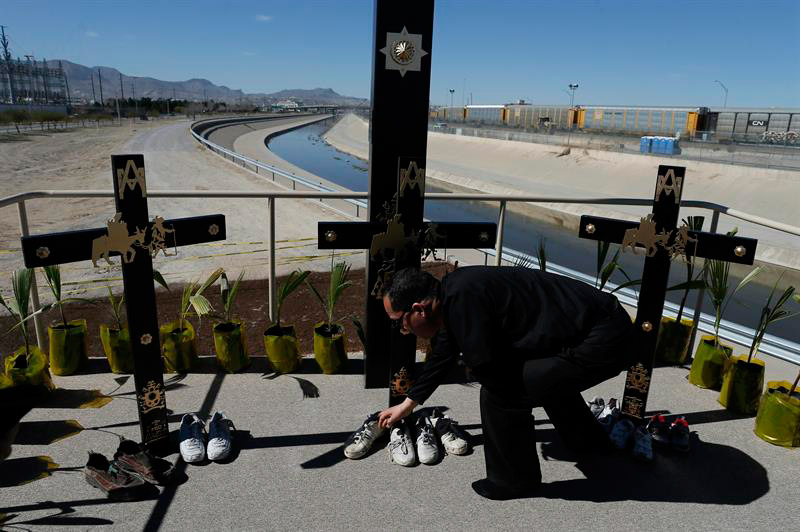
(590, 228)
(330, 236)
(647, 326)
(43, 252)
(483, 236)
(739, 251)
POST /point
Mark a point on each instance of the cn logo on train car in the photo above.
(758, 123)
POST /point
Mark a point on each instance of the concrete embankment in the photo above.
(470, 164)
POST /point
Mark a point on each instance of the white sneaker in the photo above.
(454, 439)
(596, 405)
(609, 416)
(427, 448)
(220, 437)
(360, 442)
(401, 448)
(192, 436)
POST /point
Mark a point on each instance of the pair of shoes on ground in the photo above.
(131, 475)
(401, 448)
(430, 432)
(674, 436)
(193, 434)
(622, 433)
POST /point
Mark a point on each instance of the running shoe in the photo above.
(597, 406)
(220, 437)
(659, 430)
(192, 438)
(360, 442)
(453, 438)
(642, 444)
(115, 483)
(621, 433)
(679, 435)
(134, 459)
(401, 447)
(609, 416)
(427, 447)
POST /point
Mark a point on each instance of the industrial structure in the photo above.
(30, 81)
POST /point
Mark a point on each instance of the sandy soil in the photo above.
(505, 167)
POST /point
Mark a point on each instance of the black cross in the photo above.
(662, 239)
(396, 233)
(135, 236)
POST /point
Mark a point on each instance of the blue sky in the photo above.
(619, 52)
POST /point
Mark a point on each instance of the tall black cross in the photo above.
(662, 239)
(132, 235)
(396, 233)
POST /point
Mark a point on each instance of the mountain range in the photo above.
(80, 79)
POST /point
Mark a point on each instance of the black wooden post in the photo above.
(662, 239)
(395, 232)
(132, 235)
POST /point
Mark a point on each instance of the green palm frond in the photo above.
(53, 276)
(157, 277)
(201, 305)
(291, 283)
(229, 295)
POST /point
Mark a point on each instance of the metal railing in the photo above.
(774, 346)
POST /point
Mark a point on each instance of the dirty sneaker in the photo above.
(679, 435)
(454, 439)
(220, 437)
(642, 444)
(659, 430)
(427, 448)
(401, 448)
(135, 460)
(360, 442)
(621, 433)
(115, 483)
(596, 405)
(192, 438)
(609, 416)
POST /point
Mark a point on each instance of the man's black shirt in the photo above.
(497, 315)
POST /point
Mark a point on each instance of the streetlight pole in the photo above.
(724, 105)
(572, 88)
(452, 91)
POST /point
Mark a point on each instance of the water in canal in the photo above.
(305, 148)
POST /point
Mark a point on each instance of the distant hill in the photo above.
(80, 85)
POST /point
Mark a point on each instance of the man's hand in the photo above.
(392, 415)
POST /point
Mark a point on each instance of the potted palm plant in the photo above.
(116, 339)
(27, 365)
(230, 342)
(778, 418)
(178, 340)
(280, 342)
(674, 334)
(711, 354)
(743, 378)
(68, 338)
(329, 340)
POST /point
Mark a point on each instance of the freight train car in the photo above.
(640, 120)
(752, 124)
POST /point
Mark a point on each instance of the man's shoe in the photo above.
(454, 439)
(401, 448)
(659, 430)
(115, 483)
(621, 433)
(642, 445)
(360, 442)
(679, 435)
(220, 437)
(192, 436)
(489, 490)
(596, 405)
(609, 416)
(427, 448)
(135, 460)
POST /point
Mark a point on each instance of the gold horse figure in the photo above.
(645, 235)
(117, 240)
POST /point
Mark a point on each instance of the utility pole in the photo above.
(94, 97)
(31, 86)
(44, 81)
(7, 62)
(66, 82)
(121, 88)
(100, 79)
(572, 87)
(135, 101)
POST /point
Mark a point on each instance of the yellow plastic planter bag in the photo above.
(281, 346)
(230, 345)
(673, 341)
(117, 347)
(742, 384)
(179, 347)
(329, 350)
(708, 363)
(778, 419)
(34, 373)
(67, 347)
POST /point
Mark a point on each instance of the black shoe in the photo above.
(489, 490)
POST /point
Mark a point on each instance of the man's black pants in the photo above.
(553, 383)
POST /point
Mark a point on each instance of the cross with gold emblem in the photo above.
(661, 239)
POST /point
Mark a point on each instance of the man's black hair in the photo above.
(409, 286)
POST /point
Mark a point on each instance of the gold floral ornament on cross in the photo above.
(403, 52)
(152, 397)
(401, 383)
(146, 339)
